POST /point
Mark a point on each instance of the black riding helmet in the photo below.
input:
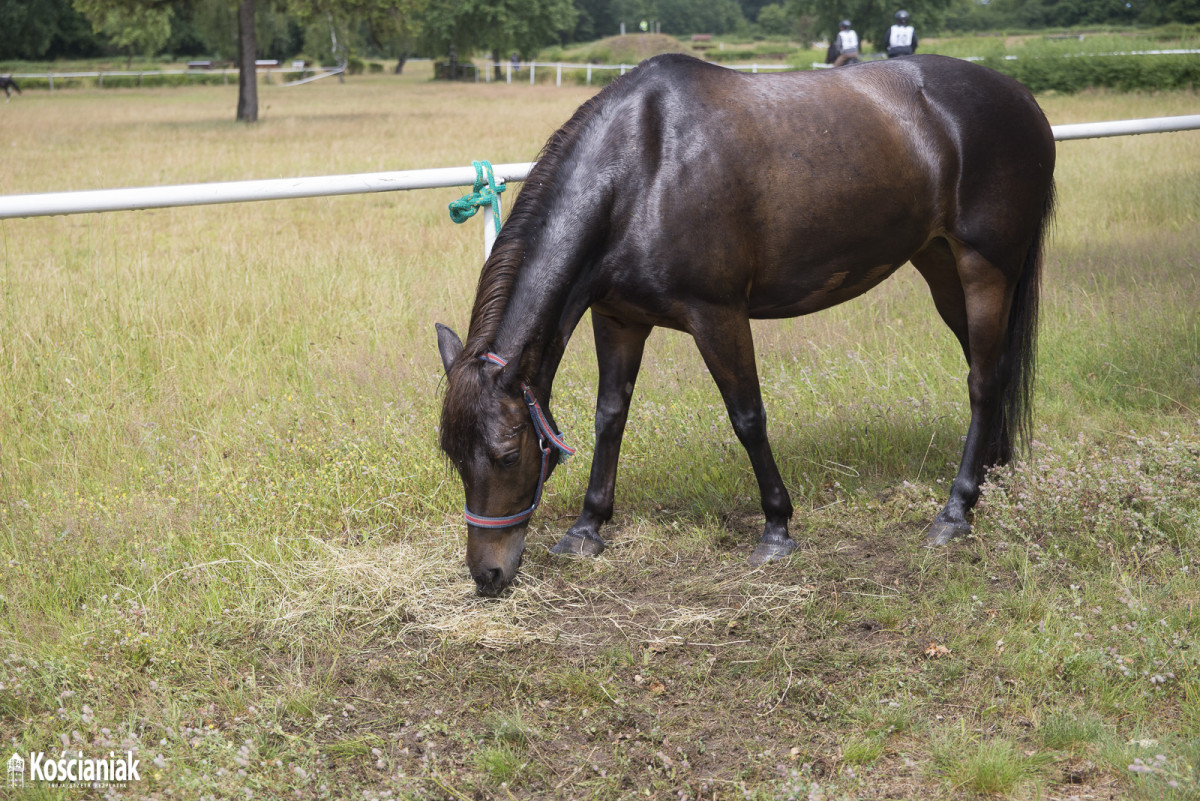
(902, 17)
(844, 23)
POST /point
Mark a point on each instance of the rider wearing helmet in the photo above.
(902, 39)
(844, 48)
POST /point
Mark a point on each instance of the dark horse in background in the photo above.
(8, 84)
(690, 196)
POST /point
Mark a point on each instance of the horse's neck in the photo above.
(552, 286)
(548, 297)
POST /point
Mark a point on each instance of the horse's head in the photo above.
(498, 438)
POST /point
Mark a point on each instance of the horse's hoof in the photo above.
(943, 533)
(770, 551)
(575, 545)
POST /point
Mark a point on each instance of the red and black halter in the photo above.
(548, 441)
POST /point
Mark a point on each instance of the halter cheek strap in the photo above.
(548, 439)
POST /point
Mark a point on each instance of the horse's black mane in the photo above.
(500, 270)
(464, 391)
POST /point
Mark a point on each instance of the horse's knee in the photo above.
(750, 425)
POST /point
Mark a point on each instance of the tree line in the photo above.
(332, 31)
(328, 29)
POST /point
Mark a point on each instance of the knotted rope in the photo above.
(485, 193)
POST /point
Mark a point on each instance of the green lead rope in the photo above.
(484, 193)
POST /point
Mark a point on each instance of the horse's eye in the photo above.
(510, 459)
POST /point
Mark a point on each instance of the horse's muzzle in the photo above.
(494, 557)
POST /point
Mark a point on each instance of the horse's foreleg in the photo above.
(987, 294)
(619, 354)
(727, 345)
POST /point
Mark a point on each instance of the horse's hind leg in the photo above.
(725, 341)
(973, 297)
(619, 354)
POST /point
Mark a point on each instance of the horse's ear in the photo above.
(449, 345)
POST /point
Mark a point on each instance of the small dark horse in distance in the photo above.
(8, 84)
(694, 197)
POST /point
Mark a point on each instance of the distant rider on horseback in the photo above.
(902, 39)
(844, 49)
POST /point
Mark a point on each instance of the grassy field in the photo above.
(230, 544)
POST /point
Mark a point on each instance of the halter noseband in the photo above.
(548, 441)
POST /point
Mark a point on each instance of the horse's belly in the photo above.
(807, 293)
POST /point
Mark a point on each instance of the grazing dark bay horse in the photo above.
(8, 84)
(690, 196)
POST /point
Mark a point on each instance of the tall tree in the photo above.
(136, 29)
(498, 26)
(394, 26)
(247, 50)
(247, 107)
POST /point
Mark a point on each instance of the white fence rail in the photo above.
(312, 73)
(1096, 130)
(513, 71)
(155, 197)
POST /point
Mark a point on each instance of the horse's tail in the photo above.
(1020, 351)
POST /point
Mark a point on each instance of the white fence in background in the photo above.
(225, 72)
(530, 68)
(155, 197)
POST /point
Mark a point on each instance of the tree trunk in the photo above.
(247, 108)
(403, 57)
(496, 63)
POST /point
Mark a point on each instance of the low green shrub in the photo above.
(1124, 73)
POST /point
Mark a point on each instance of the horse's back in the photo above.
(911, 103)
(799, 176)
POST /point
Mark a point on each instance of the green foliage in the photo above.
(769, 50)
(1042, 14)
(157, 81)
(35, 29)
(685, 17)
(1063, 732)
(991, 767)
(500, 764)
(1126, 73)
(134, 28)
(494, 26)
(774, 20)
